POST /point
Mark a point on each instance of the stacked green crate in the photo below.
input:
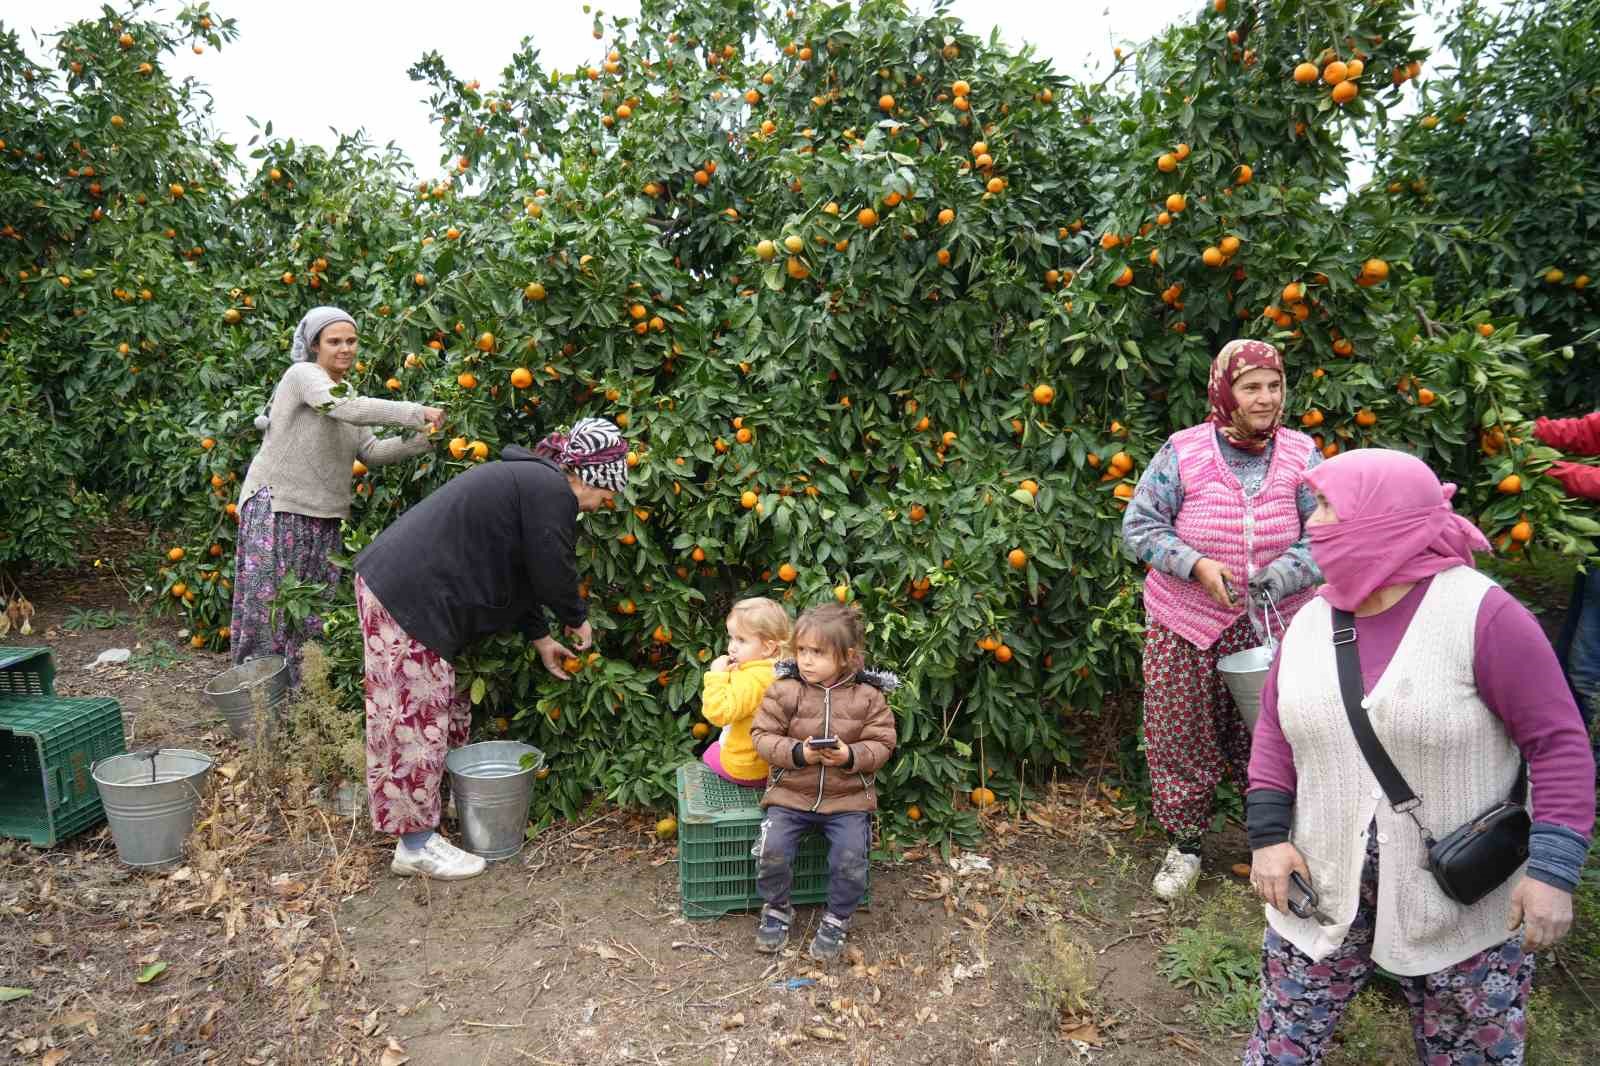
(48, 745)
(718, 823)
(26, 672)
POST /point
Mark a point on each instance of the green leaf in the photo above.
(150, 973)
(9, 993)
(478, 688)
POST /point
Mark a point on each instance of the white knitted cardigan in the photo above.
(1451, 749)
(316, 430)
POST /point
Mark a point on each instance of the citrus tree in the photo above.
(890, 314)
(1502, 150)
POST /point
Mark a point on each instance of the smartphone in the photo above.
(823, 742)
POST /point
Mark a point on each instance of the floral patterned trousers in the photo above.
(1193, 734)
(414, 717)
(1469, 1014)
(272, 546)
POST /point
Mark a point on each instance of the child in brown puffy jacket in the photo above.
(825, 728)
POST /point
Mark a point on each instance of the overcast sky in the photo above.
(308, 65)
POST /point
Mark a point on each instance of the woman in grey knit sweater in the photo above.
(298, 487)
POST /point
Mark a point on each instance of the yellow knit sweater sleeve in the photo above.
(735, 695)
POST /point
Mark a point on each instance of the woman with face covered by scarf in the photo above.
(493, 549)
(1218, 515)
(1461, 687)
(299, 485)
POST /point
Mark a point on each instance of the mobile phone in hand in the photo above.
(823, 742)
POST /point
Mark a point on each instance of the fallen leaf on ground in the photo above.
(78, 1017)
(733, 1021)
(1083, 1032)
(822, 1032)
(608, 953)
(9, 993)
(394, 1054)
(55, 1057)
(150, 973)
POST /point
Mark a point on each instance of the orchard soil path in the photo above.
(286, 939)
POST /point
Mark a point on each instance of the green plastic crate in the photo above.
(718, 823)
(26, 672)
(47, 745)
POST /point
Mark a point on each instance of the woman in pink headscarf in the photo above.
(1219, 514)
(1461, 687)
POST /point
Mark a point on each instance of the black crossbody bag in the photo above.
(1477, 858)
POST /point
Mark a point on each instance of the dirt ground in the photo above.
(283, 938)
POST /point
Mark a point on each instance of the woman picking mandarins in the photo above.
(491, 550)
(298, 486)
(1220, 511)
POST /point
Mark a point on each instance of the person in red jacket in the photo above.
(1579, 645)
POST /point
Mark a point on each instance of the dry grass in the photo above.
(254, 967)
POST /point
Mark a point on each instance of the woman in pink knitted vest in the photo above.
(1219, 513)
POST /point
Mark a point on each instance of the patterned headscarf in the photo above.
(1237, 358)
(310, 328)
(595, 451)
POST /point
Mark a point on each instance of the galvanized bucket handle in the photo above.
(151, 754)
(142, 753)
(1268, 605)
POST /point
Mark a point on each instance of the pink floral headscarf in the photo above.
(1237, 358)
(1395, 525)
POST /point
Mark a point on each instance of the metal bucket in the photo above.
(1245, 672)
(234, 693)
(492, 791)
(150, 799)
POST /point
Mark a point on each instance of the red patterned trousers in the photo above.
(414, 717)
(1193, 734)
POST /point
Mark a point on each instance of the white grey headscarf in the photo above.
(311, 326)
(305, 335)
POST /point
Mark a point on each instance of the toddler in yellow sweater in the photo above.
(734, 683)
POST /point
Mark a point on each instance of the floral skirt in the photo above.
(414, 717)
(1471, 1014)
(1193, 734)
(270, 547)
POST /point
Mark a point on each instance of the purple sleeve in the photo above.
(1271, 758)
(1520, 680)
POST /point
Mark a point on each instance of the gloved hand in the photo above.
(1578, 479)
(1268, 582)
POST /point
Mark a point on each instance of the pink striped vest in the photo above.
(1216, 520)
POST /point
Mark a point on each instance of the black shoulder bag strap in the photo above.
(1348, 658)
(1401, 798)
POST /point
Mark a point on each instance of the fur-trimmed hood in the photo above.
(885, 681)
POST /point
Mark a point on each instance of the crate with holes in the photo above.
(718, 823)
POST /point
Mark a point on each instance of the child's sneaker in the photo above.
(828, 944)
(772, 933)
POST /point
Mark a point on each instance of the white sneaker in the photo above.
(438, 859)
(1178, 873)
